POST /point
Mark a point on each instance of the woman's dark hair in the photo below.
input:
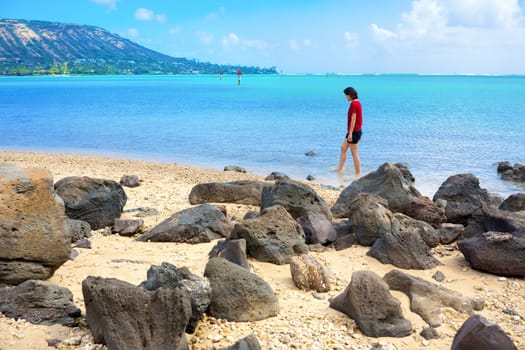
(351, 92)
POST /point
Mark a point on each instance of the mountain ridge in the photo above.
(40, 47)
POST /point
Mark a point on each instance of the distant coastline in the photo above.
(263, 72)
(105, 68)
(32, 47)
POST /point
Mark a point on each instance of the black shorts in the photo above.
(356, 136)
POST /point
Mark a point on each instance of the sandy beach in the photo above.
(304, 321)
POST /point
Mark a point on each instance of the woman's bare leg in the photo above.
(342, 157)
(357, 161)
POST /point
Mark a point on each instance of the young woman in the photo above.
(353, 135)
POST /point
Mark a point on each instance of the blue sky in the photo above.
(307, 36)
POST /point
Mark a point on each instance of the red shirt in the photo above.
(355, 107)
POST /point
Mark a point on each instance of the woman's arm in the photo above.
(352, 126)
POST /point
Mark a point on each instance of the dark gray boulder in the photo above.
(83, 243)
(169, 276)
(18, 271)
(249, 342)
(130, 181)
(297, 198)
(96, 201)
(127, 227)
(34, 237)
(39, 302)
(407, 174)
(235, 168)
(495, 252)
(427, 299)
(504, 166)
(388, 181)
(276, 175)
(240, 192)
(200, 224)
(515, 202)
(126, 317)
(237, 294)
(426, 231)
(408, 245)
(514, 173)
(480, 334)
(439, 276)
(424, 209)
(429, 333)
(317, 228)
(464, 197)
(368, 301)
(233, 250)
(490, 218)
(449, 233)
(369, 218)
(345, 236)
(274, 236)
(78, 229)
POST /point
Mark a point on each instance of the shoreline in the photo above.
(427, 184)
(304, 321)
(253, 171)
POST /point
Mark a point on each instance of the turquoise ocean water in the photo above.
(439, 125)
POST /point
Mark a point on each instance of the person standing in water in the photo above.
(354, 132)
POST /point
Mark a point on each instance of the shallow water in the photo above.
(439, 125)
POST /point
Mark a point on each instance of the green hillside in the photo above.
(40, 47)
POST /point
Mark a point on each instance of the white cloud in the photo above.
(233, 39)
(299, 44)
(445, 19)
(143, 14)
(381, 34)
(161, 18)
(426, 18)
(352, 39)
(205, 37)
(459, 33)
(175, 30)
(226, 43)
(454, 22)
(133, 32)
(111, 4)
(255, 44)
(484, 13)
